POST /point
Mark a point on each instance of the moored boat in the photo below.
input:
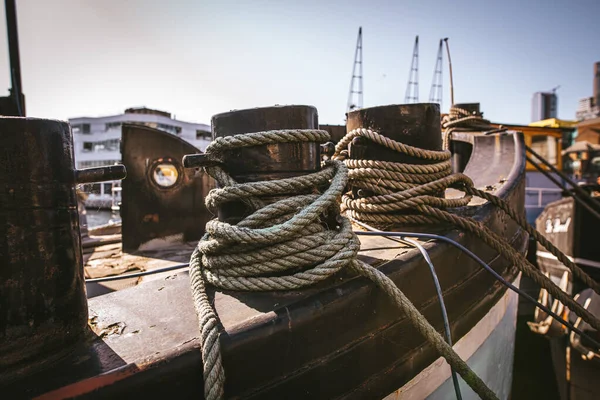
(339, 338)
(161, 209)
(571, 224)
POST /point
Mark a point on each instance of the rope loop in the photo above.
(390, 144)
(391, 198)
(460, 120)
(386, 192)
(295, 237)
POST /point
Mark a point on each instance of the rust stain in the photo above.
(186, 342)
(113, 329)
(90, 385)
(93, 320)
(150, 218)
(289, 319)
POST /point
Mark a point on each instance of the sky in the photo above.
(200, 58)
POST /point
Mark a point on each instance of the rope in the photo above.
(461, 120)
(287, 244)
(404, 203)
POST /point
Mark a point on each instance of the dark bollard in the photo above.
(259, 163)
(416, 125)
(43, 306)
(461, 151)
(471, 108)
(160, 197)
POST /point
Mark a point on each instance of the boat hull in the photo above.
(340, 339)
(492, 338)
(573, 230)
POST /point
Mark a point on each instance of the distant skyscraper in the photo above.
(543, 106)
(589, 107)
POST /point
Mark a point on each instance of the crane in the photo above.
(412, 88)
(355, 95)
(435, 93)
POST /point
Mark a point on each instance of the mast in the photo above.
(435, 93)
(14, 104)
(450, 68)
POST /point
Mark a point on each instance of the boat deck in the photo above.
(103, 255)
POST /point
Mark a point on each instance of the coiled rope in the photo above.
(460, 120)
(285, 245)
(419, 205)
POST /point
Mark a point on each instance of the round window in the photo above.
(165, 175)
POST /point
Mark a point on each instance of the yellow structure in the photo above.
(555, 123)
(545, 138)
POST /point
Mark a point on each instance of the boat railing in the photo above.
(542, 196)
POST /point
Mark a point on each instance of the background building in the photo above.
(589, 108)
(97, 140)
(544, 105)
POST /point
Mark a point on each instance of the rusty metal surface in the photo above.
(341, 338)
(412, 124)
(100, 174)
(275, 161)
(337, 132)
(470, 107)
(42, 299)
(149, 210)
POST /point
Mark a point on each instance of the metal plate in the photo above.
(160, 198)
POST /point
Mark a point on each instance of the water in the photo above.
(100, 217)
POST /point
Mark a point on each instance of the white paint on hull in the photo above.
(489, 350)
(582, 261)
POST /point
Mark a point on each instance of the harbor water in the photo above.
(97, 217)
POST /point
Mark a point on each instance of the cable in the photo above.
(438, 289)
(487, 268)
(137, 274)
(402, 236)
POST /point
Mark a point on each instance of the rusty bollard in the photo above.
(43, 306)
(263, 163)
(416, 125)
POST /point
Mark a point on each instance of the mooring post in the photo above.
(43, 305)
(416, 125)
(461, 151)
(472, 108)
(268, 162)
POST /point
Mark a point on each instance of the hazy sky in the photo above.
(198, 58)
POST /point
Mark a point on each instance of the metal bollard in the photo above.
(258, 163)
(43, 306)
(461, 151)
(416, 125)
(160, 197)
(473, 108)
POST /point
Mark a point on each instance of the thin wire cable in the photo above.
(137, 274)
(404, 236)
(487, 268)
(438, 289)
